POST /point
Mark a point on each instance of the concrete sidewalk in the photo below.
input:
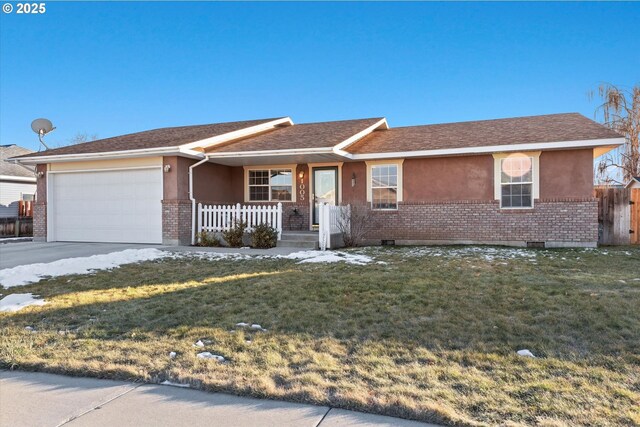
(37, 399)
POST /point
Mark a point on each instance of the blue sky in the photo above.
(114, 68)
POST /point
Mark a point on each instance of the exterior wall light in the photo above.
(301, 175)
(40, 174)
(167, 168)
(353, 179)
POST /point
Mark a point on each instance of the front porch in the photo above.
(289, 197)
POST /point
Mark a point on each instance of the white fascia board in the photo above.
(536, 146)
(291, 152)
(17, 178)
(339, 148)
(241, 133)
(111, 155)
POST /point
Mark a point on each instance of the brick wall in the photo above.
(557, 222)
(176, 222)
(40, 206)
(40, 221)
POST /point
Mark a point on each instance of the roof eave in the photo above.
(594, 143)
(109, 155)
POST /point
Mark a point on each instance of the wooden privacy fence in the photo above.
(332, 220)
(25, 209)
(215, 218)
(16, 227)
(618, 216)
(635, 216)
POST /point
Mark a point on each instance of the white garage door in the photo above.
(108, 206)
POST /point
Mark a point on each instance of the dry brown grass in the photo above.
(428, 336)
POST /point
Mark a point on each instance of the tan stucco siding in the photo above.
(566, 174)
(448, 178)
(106, 164)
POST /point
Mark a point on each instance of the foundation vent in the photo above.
(535, 244)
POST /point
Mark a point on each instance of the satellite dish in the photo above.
(42, 127)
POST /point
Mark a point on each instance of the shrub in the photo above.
(264, 236)
(205, 238)
(355, 223)
(234, 235)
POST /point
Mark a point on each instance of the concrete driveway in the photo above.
(13, 254)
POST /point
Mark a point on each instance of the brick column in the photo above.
(176, 222)
(40, 206)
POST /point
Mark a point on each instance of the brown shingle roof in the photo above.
(156, 138)
(519, 130)
(306, 135)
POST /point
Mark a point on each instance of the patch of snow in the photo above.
(329, 257)
(15, 302)
(199, 344)
(33, 273)
(172, 355)
(172, 384)
(525, 353)
(209, 355)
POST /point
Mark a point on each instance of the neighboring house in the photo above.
(17, 182)
(634, 183)
(508, 181)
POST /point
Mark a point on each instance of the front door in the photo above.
(325, 189)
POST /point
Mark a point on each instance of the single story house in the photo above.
(17, 182)
(516, 181)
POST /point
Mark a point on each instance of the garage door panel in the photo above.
(107, 206)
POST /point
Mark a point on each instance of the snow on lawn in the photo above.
(15, 302)
(303, 256)
(329, 256)
(33, 273)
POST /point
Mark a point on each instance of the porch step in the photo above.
(300, 236)
(302, 240)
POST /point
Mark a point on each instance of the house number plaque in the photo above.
(302, 192)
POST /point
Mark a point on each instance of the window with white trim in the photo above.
(384, 186)
(266, 185)
(516, 182)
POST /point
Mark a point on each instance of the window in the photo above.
(270, 185)
(384, 186)
(516, 181)
(28, 197)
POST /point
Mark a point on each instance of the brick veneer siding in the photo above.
(40, 222)
(176, 222)
(559, 222)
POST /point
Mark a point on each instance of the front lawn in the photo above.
(422, 333)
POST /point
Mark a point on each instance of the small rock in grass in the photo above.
(242, 325)
(248, 341)
(173, 355)
(258, 327)
(209, 355)
(207, 341)
(29, 328)
(525, 353)
(199, 344)
(622, 281)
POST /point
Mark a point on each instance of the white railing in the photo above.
(332, 220)
(215, 218)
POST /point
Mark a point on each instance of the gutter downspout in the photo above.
(193, 200)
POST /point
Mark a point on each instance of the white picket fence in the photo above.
(330, 218)
(215, 218)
